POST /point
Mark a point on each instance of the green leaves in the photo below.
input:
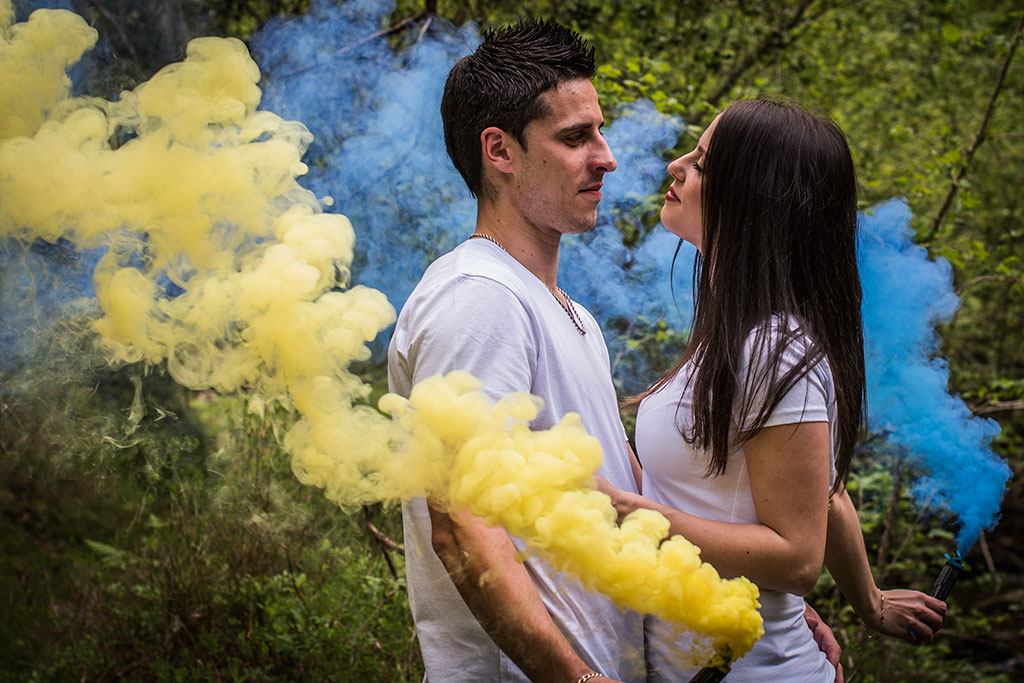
(951, 33)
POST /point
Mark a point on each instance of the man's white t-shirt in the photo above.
(478, 309)
(674, 474)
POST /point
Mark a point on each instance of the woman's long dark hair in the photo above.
(779, 203)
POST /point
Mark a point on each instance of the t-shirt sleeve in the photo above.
(806, 401)
(478, 325)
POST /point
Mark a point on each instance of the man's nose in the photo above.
(605, 159)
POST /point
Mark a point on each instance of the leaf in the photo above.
(950, 157)
(109, 556)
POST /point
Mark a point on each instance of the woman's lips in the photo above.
(670, 196)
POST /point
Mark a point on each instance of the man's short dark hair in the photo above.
(500, 85)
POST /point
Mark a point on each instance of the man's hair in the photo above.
(500, 85)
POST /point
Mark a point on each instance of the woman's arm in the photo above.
(789, 475)
(847, 560)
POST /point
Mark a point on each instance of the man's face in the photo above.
(560, 172)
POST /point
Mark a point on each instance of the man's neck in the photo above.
(534, 248)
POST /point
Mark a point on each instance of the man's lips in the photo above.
(593, 190)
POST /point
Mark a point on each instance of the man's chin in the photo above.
(586, 224)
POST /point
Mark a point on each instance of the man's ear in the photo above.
(499, 149)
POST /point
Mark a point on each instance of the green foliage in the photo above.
(191, 554)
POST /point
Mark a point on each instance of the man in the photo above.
(523, 127)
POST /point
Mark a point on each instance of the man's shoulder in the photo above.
(466, 313)
(469, 271)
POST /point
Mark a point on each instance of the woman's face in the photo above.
(682, 214)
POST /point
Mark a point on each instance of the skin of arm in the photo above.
(846, 559)
(789, 471)
(481, 561)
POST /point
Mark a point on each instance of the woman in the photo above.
(746, 442)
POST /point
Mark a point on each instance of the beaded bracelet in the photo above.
(586, 677)
(882, 619)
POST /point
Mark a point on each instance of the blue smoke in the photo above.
(379, 150)
(41, 285)
(905, 295)
(379, 153)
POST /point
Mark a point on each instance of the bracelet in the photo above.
(882, 615)
(586, 677)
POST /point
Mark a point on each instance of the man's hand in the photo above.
(825, 639)
(481, 562)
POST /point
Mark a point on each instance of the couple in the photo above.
(746, 442)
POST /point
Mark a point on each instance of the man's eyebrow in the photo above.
(583, 125)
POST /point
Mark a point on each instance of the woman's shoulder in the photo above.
(785, 330)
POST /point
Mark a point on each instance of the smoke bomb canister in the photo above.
(710, 674)
(948, 576)
(944, 583)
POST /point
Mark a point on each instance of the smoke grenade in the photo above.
(948, 576)
(710, 674)
(944, 582)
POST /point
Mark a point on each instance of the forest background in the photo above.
(190, 552)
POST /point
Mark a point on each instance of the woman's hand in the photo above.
(620, 498)
(900, 611)
(788, 466)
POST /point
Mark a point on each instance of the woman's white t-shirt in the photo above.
(674, 474)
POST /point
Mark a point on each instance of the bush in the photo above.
(186, 552)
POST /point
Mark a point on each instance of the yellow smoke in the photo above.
(185, 183)
(539, 486)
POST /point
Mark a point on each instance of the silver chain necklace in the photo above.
(567, 305)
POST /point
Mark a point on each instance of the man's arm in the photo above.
(498, 590)
(485, 330)
(893, 612)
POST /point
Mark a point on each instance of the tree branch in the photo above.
(383, 539)
(888, 527)
(408, 21)
(979, 137)
(998, 407)
(982, 279)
